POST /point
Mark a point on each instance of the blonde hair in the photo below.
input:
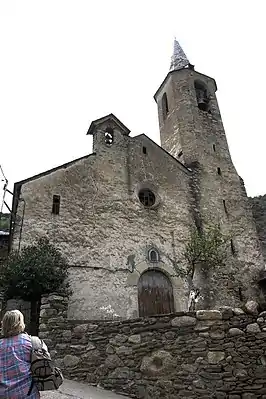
(12, 323)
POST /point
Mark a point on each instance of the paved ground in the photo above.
(73, 389)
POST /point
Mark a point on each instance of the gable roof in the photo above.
(108, 118)
(47, 172)
(186, 169)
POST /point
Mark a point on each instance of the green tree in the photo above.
(36, 270)
(207, 248)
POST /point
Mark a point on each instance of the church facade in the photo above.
(122, 215)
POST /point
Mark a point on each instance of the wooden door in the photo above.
(155, 293)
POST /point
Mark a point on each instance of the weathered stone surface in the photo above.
(253, 328)
(80, 330)
(124, 350)
(215, 357)
(71, 361)
(209, 315)
(183, 321)
(252, 307)
(150, 356)
(238, 311)
(134, 339)
(235, 331)
(217, 334)
(158, 363)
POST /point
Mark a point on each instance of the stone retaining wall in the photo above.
(207, 354)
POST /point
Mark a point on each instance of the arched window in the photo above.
(155, 294)
(153, 255)
(109, 136)
(165, 106)
(202, 95)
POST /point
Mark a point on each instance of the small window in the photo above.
(144, 150)
(225, 207)
(56, 204)
(109, 136)
(180, 154)
(153, 255)
(219, 171)
(146, 197)
(233, 248)
(165, 106)
(214, 147)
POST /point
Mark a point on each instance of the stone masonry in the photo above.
(208, 354)
(106, 232)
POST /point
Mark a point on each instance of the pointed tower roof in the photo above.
(179, 59)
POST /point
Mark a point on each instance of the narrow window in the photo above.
(165, 106)
(109, 136)
(219, 171)
(233, 249)
(180, 154)
(214, 147)
(202, 96)
(225, 207)
(144, 149)
(56, 204)
(240, 294)
(153, 255)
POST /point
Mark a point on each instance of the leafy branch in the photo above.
(208, 248)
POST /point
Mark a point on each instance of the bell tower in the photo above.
(192, 131)
(190, 122)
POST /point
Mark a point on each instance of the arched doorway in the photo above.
(155, 294)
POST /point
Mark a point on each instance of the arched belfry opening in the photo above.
(202, 95)
(155, 294)
(165, 107)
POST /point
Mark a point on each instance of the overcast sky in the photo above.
(65, 63)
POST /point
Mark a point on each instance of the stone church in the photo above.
(123, 214)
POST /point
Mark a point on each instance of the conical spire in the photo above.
(179, 59)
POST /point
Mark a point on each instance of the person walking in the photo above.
(15, 359)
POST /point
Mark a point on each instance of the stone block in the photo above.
(253, 328)
(124, 350)
(209, 315)
(238, 311)
(159, 363)
(183, 321)
(215, 357)
(80, 330)
(235, 331)
(134, 339)
(252, 307)
(71, 361)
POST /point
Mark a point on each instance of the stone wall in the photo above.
(103, 229)
(207, 354)
(258, 205)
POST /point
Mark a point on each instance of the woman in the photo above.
(15, 359)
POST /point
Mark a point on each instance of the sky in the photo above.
(65, 63)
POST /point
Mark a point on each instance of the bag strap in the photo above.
(36, 343)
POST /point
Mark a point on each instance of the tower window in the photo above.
(165, 107)
(233, 248)
(109, 136)
(219, 171)
(146, 197)
(214, 147)
(153, 255)
(56, 204)
(144, 150)
(202, 95)
(225, 207)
